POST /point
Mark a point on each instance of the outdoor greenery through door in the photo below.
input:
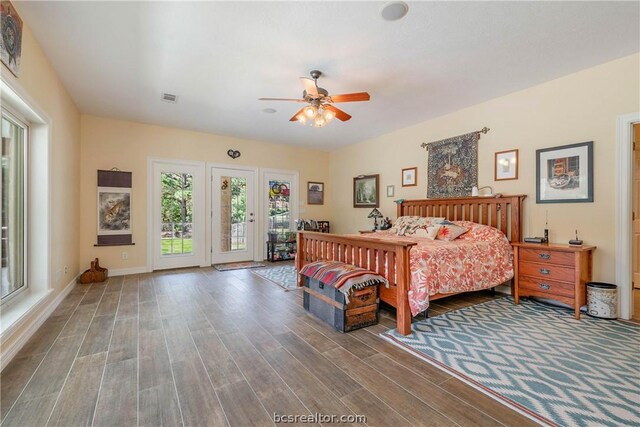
(177, 213)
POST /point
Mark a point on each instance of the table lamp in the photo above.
(375, 214)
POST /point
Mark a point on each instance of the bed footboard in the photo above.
(389, 258)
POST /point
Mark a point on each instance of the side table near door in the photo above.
(557, 272)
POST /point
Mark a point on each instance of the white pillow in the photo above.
(406, 224)
(428, 231)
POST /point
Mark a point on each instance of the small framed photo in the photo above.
(506, 165)
(366, 191)
(565, 174)
(315, 193)
(409, 177)
(391, 190)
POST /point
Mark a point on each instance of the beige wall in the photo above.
(576, 108)
(108, 143)
(39, 80)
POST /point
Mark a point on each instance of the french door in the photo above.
(178, 214)
(280, 190)
(233, 219)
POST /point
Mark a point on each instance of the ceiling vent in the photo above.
(168, 97)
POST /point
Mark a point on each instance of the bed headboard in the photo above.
(502, 212)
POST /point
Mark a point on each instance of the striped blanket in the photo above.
(341, 276)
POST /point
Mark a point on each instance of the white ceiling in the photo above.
(219, 57)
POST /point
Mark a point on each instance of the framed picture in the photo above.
(366, 191)
(409, 177)
(391, 190)
(11, 37)
(114, 210)
(565, 174)
(506, 165)
(315, 193)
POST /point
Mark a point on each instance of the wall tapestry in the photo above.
(452, 170)
(11, 40)
(114, 208)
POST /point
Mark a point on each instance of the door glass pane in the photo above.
(177, 213)
(279, 214)
(12, 206)
(233, 212)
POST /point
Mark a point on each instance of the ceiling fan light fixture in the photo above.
(328, 115)
(310, 111)
(319, 109)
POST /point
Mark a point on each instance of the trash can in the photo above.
(602, 300)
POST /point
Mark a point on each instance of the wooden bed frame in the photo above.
(503, 212)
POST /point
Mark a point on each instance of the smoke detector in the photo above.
(394, 11)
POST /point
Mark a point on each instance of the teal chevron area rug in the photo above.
(284, 276)
(538, 360)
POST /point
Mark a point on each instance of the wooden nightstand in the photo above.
(557, 272)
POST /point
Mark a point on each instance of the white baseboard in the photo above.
(8, 353)
(125, 271)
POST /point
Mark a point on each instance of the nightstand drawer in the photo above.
(546, 287)
(547, 271)
(547, 256)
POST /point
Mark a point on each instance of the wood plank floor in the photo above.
(203, 347)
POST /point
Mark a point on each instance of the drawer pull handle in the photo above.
(545, 286)
(544, 256)
(545, 271)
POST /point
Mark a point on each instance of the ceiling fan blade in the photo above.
(351, 97)
(310, 86)
(295, 116)
(340, 115)
(281, 99)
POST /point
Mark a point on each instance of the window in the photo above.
(279, 211)
(177, 213)
(13, 195)
(233, 202)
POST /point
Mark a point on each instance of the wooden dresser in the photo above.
(557, 272)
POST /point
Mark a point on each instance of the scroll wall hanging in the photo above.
(114, 208)
(452, 168)
(11, 37)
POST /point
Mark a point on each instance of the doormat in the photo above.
(238, 265)
(285, 276)
(537, 359)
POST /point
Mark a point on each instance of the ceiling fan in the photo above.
(320, 110)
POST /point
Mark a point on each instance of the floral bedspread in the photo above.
(479, 259)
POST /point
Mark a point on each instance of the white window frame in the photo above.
(24, 123)
(25, 312)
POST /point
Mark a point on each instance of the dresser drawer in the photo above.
(545, 287)
(547, 271)
(547, 256)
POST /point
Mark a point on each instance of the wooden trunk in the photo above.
(328, 304)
